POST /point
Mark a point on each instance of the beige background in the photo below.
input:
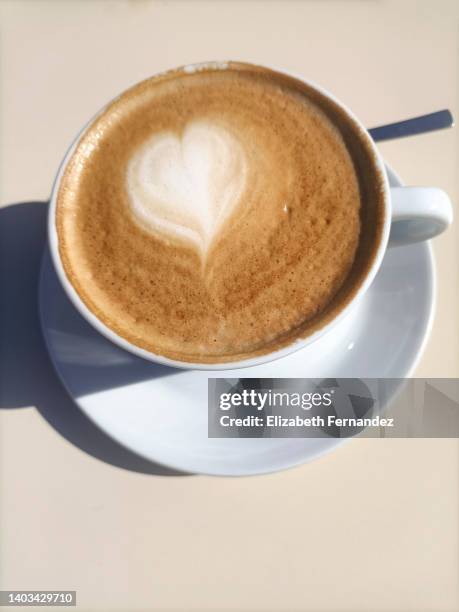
(373, 526)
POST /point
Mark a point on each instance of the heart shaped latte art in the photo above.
(186, 187)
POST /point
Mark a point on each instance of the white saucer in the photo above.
(161, 413)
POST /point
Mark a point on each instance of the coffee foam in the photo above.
(185, 187)
(213, 215)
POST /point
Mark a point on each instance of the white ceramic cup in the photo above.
(412, 214)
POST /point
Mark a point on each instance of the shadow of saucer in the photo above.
(27, 377)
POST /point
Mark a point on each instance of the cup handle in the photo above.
(418, 213)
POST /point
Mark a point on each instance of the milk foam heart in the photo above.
(185, 186)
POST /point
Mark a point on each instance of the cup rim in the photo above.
(296, 344)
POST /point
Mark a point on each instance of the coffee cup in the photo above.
(210, 164)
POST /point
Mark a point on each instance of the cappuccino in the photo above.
(216, 214)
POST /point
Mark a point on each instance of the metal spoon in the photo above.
(417, 125)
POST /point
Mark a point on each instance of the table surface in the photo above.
(371, 526)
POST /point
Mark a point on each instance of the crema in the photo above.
(218, 214)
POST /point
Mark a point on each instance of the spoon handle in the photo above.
(417, 125)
